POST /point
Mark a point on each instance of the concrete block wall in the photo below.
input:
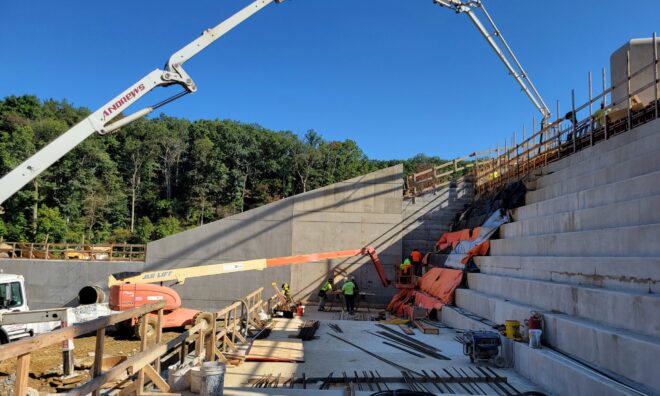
(583, 252)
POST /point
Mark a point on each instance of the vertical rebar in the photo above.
(605, 104)
(574, 120)
(655, 71)
(629, 101)
(591, 113)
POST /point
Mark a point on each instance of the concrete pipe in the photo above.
(91, 295)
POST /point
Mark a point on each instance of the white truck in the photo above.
(13, 298)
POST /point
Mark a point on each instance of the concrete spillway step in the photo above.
(636, 312)
(620, 353)
(637, 241)
(625, 190)
(640, 211)
(604, 147)
(639, 274)
(545, 367)
(621, 148)
(639, 165)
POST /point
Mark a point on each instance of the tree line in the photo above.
(159, 176)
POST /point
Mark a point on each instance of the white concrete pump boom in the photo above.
(467, 7)
(99, 121)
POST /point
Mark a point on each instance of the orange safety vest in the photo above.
(416, 256)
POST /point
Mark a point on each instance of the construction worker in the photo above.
(349, 295)
(598, 116)
(405, 266)
(286, 290)
(323, 293)
(416, 259)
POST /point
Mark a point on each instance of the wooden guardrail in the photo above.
(72, 251)
(22, 350)
(439, 176)
(221, 340)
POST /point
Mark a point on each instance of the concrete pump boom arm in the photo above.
(100, 120)
(180, 275)
(467, 7)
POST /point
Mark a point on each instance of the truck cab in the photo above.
(13, 298)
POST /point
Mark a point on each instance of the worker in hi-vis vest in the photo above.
(323, 293)
(416, 258)
(405, 266)
(349, 295)
(286, 290)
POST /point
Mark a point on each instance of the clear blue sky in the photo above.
(398, 76)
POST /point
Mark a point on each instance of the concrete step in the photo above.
(625, 190)
(603, 147)
(618, 352)
(636, 241)
(545, 367)
(639, 274)
(636, 312)
(619, 149)
(640, 211)
(639, 165)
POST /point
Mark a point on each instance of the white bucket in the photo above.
(213, 379)
(535, 338)
(178, 378)
(195, 379)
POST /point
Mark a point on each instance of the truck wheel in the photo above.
(152, 327)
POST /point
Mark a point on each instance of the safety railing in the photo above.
(437, 177)
(22, 350)
(580, 128)
(71, 251)
(228, 330)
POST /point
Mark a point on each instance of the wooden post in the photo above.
(143, 347)
(98, 356)
(210, 348)
(22, 373)
(159, 337)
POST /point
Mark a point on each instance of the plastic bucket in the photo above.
(535, 338)
(512, 327)
(300, 310)
(195, 379)
(213, 379)
(178, 378)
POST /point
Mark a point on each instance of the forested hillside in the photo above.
(159, 176)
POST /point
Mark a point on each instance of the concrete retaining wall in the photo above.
(363, 211)
(56, 283)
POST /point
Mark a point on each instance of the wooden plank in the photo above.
(22, 372)
(426, 329)
(156, 379)
(98, 356)
(31, 344)
(277, 351)
(406, 329)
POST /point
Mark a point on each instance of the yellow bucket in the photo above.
(512, 327)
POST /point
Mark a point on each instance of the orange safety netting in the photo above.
(436, 289)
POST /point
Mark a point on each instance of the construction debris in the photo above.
(308, 329)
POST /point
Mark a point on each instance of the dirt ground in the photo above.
(46, 363)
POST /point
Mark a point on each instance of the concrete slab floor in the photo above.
(328, 354)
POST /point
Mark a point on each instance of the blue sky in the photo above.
(398, 76)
